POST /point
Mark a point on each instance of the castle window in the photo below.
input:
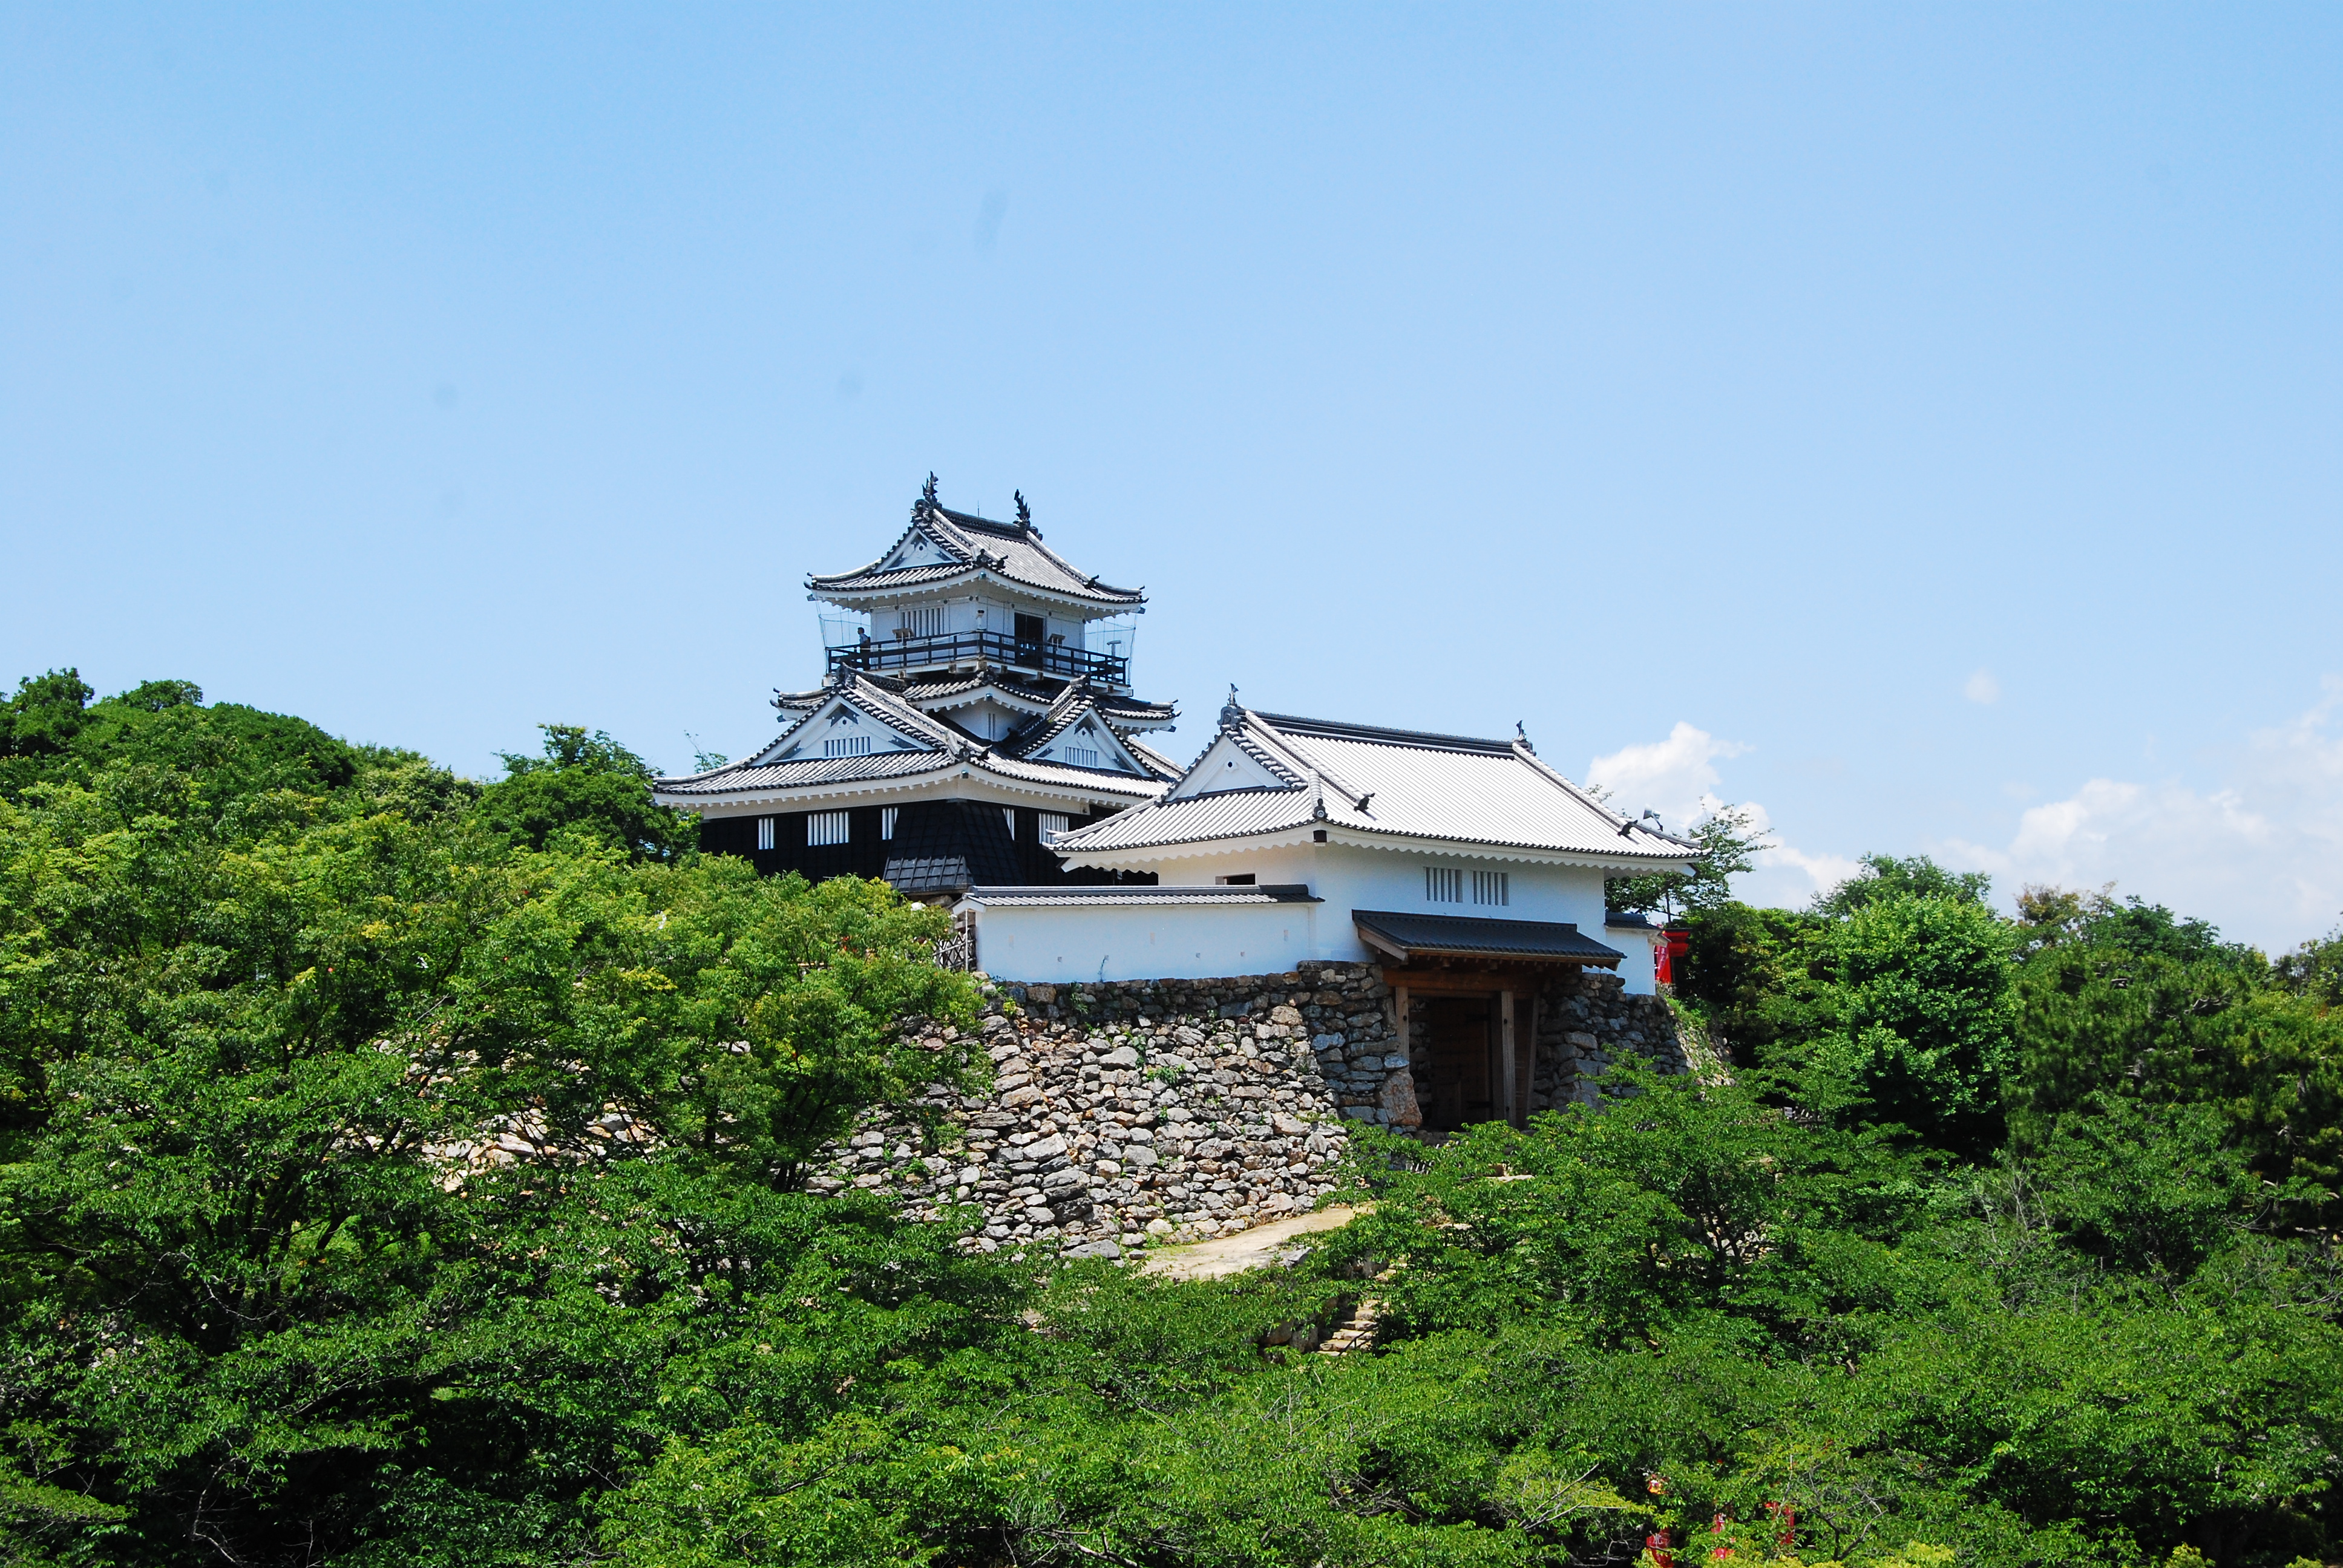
(1008, 815)
(847, 746)
(887, 815)
(924, 620)
(826, 828)
(1490, 888)
(1082, 756)
(764, 832)
(1055, 823)
(1444, 885)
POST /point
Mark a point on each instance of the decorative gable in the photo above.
(841, 728)
(1089, 742)
(1228, 764)
(916, 549)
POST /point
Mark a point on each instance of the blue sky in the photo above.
(1921, 423)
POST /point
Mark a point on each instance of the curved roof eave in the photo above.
(1020, 777)
(1072, 845)
(843, 589)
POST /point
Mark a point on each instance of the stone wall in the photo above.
(1183, 1109)
(1588, 1024)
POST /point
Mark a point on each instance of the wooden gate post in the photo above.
(1529, 1054)
(1506, 1054)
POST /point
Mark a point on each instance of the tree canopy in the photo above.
(395, 1171)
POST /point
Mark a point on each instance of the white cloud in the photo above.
(1678, 778)
(2261, 855)
(1982, 688)
(1787, 875)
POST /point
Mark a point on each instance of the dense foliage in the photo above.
(398, 1170)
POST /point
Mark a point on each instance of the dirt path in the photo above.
(1255, 1249)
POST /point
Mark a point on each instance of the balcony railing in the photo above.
(989, 646)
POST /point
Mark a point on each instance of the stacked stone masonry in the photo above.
(1177, 1110)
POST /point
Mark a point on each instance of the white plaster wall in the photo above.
(1350, 877)
(1060, 943)
(1641, 967)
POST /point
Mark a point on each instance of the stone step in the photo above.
(1356, 1332)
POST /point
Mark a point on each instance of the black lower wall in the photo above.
(974, 831)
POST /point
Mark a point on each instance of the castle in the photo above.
(1196, 976)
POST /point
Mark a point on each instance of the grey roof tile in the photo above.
(1407, 937)
(944, 746)
(1394, 783)
(1267, 893)
(1013, 550)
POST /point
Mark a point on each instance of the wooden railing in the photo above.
(878, 653)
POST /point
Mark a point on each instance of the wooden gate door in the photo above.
(1463, 1082)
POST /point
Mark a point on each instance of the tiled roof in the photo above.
(1231, 814)
(798, 702)
(927, 874)
(1161, 766)
(1074, 778)
(1378, 783)
(1014, 552)
(741, 778)
(1076, 702)
(1411, 936)
(959, 691)
(1268, 893)
(940, 746)
(1006, 689)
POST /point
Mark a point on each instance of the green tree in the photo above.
(232, 753)
(2314, 970)
(1885, 876)
(348, 1157)
(1920, 1017)
(585, 783)
(45, 715)
(1724, 845)
(2126, 999)
(1753, 978)
(377, 1187)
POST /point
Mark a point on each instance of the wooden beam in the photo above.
(1459, 982)
(1506, 1054)
(1529, 1052)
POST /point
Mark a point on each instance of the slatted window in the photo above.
(1008, 815)
(1444, 885)
(847, 746)
(764, 832)
(1082, 756)
(826, 828)
(924, 620)
(1491, 888)
(886, 820)
(1055, 823)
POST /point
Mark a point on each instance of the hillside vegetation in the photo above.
(400, 1170)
